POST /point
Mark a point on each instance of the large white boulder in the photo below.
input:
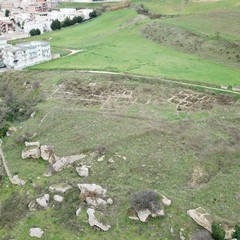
(92, 220)
(63, 162)
(43, 201)
(31, 153)
(46, 152)
(92, 188)
(58, 198)
(36, 232)
(201, 217)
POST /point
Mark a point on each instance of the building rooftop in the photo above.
(13, 49)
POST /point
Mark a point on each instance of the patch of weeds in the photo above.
(201, 235)
(66, 211)
(13, 210)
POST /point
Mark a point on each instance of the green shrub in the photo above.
(3, 129)
(146, 199)
(7, 13)
(218, 232)
(56, 25)
(35, 32)
(236, 234)
(93, 14)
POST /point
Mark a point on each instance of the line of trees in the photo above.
(56, 24)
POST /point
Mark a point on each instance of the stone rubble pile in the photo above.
(35, 150)
(95, 196)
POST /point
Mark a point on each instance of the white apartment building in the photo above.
(26, 54)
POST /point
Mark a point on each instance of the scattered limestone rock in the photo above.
(18, 181)
(43, 201)
(32, 144)
(92, 188)
(60, 187)
(166, 201)
(63, 162)
(46, 152)
(133, 218)
(32, 206)
(83, 171)
(12, 129)
(111, 160)
(143, 215)
(46, 196)
(181, 234)
(92, 220)
(95, 202)
(79, 210)
(31, 153)
(33, 114)
(101, 158)
(36, 232)
(57, 198)
(228, 232)
(109, 201)
(201, 217)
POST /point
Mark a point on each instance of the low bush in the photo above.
(146, 199)
(236, 234)
(13, 209)
(218, 232)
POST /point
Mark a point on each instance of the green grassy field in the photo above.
(209, 24)
(113, 42)
(161, 146)
(187, 6)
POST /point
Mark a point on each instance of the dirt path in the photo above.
(163, 80)
(2, 158)
(72, 51)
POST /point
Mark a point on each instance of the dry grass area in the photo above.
(212, 48)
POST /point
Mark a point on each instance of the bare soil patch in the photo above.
(216, 49)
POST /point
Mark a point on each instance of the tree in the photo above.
(93, 14)
(218, 232)
(67, 22)
(56, 25)
(77, 19)
(7, 12)
(34, 32)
